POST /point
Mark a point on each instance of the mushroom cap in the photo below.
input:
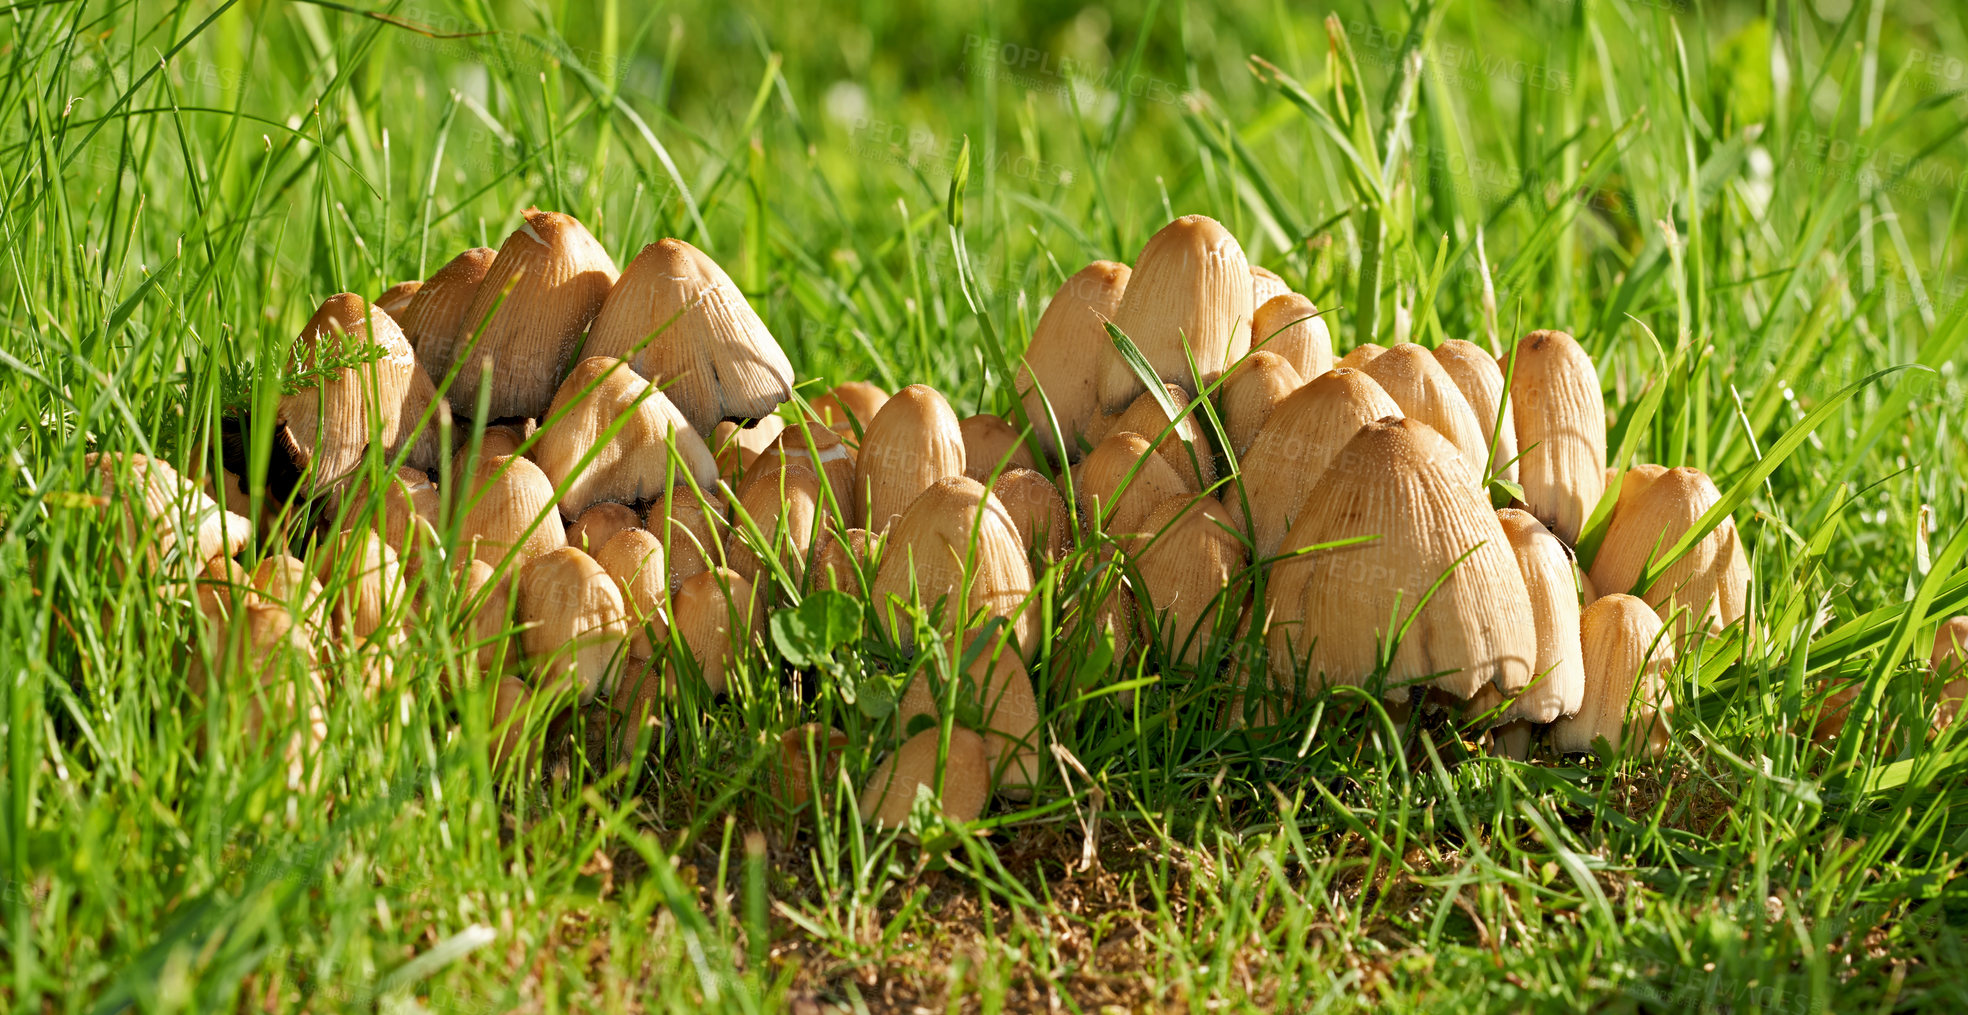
(692, 528)
(558, 274)
(397, 297)
(435, 314)
(954, 521)
(359, 366)
(1360, 355)
(1186, 560)
(1710, 581)
(410, 505)
(495, 442)
(633, 557)
(843, 563)
(633, 465)
(784, 504)
(1425, 392)
(157, 509)
(822, 450)
(508, 728)
(713, 615)
(286, 579)
(1044, 525)
(1557, 687)
(850, 400)
(1253, 389)
(364, 581)
(1300, 438)
(222, 586)
(599, 523)
(675, 315)
(576, 626)
(262, 662)
(1626, 659)
(1561, 427)
(1477, 376)
(1265, 285)
(488, 610)
(510, 509)
(1289, 325)
(991, 445)
(1331, 609)
(1068, 354)
(1121, 481)
(913, 442)
(1144, 416)
(891, 790)
(998, 689)
(1192, 287)
(1950, 648)
(799, 748)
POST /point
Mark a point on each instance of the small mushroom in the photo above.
(634, 558)
(1121, 482)
(800, 748)
(599, 523)
(1302, 436)
(999, 690)
(1950, 664)
(1253, 389)
(1037, 510)
(357, 370)
(161, 515)
(435, 315)
(891, 791)
(397, 297)
(848, 407)
(1184, 447)
(676, 315)
(843, 563)
(286, 579)
(527, 316)
(713, 616)
(821, 450)
(223, 586)
(1187, 556)
(1557, 687)
(1059, 376)
(1360, 356)
(1265, 285)
(1425, 392)
(1561, 427)
(1477, 376)
(913, 442)
(692, 527)
(1188, 298)
(576, 627)
(991, 446)
(653, 446)
(1711, 581)
(494, 442)
(784, 505)
(487, 605)
(364, 582)
(264, 670)
(1627, 657)
(955, 544)
(1289, 326)
(510, 510)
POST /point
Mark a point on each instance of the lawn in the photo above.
(1751, 217)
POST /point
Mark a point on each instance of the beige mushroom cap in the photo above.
(1289, 326)
(576, 624)
(857, 401)
(1254, 388)
(1069, 353)
(1187, 560)
(1477, 376)
(1044, 525)
(713, 615)
(1711, 582)
(1121, 482)
(784, 505)
(599, 523)
(161, 513)
(1558, 685)
(1184, 446)
(1300, 438)
(436, 312)
(1360, 355)
(633, 557)
(991, 445)
(1561, 427)
(913, 442)
(1411, 376)
(359, 368)
(510, 505)
(1191, 287)
(541, 292)
(397, 297)
(1626, 658)
(957, 544)
(891, 790)
(635, 464)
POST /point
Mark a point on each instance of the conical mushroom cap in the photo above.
(1037, 510)
(1124, 480)
(1265, 285)
(1144, 416)
(1561, 427)
(1399, 480)
(785, 506)
(1558, 681)
(635, 464)
(1634, 483)
(1479, 379)
(601, 522)
(999, 688)
(1069, 353)
(1425, 392)
(510, 504)
(1360, 356)
(850, 400)
(261, 659)
(413, 430)
(913, 442)
(1186, 562)
(329, 423)
(364, 582)
(577, 627)
(1302, 436)
(410, 507)
(1626, 661)
(891, 790)
(675, 315)
(222, 586)
(434, 316)
(397, 297)
(991, 446)
(1191, 286)
(820, 449)
(508, 728)
(160, 512)
(1255, 387)
(495, 442)
(926, 552)
(558, 275)
(713, 615)
(1711, 581)
(287, 580)
(842, 562)
(488, 608)
(692, 527)
(1288, 325)
(634, 558)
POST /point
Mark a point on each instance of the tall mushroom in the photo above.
(1187, 557)
(784, 506)
(1183, 445)
(1710, 582)
(1059, 375)
(1289, 326)
(713, 615)
(1424, 391)
(436, 313)
(991, 446)
(528, 314)
(576, 626)
(1627, 656)
(357, 371)
(956, 545)
(1561, 427)
(510, 510)
(1557, 686)
(1188, 298)
(1302, 436)
(654, 441)
(1254, 388)
(913, 442)
(1481, 382)
(1121, 482)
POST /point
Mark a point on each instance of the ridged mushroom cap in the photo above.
(1626, 658)
(1402, 482)
(576, 626)
(409, 508)
(954, 523)
(162, 512)
(1477, 376)
(1069, 353)
(850, 400)
(1289, 325)
(820, 449)
(1145, 416)
(558, 274)
(997, 686)
(510, 504)
(1265, 285)
(913, 442)
(636, 463)
(364, 581)
(1561, 427)
(1558, 682)
(261, 662)
(487, 608)
(696, 333)
(891, 790)
(221, 587)
(991, 445)
(1360, 355)
(495, 442)
(1191, 286)
(1950, 649)
(1711, 582)
(713, 615)
(435, 315)
(843, 562)
(1300, 438)
(784, 505)
(599, 523)
(633, 557)
(1123, 480)
(1186, 562)
(1037, 510)
(1254, 388)
(1425, 392)
(358, 369)
(692, 528)
(287, 580)
(397, 297)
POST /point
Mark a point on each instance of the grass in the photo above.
(1740, 211)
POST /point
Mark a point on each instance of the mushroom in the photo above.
(576, 627)
(892, 787)
(163, 516)
(1059, 376)
(822, 450)
(510, 510)
(493, 442)
(1949, 666)
(677, 316)
(510, 705)
(1561, 427)
(1302, 436)
(1122, 481)
(800, 748)
(843, 563)
(848, 407)
(913, 442)
(599, 523)
(1253, 389)
(526, 319)
(784, 506)
(1626, 658)
(1424, 391)
(1711, 581)
(358, 374)
(397, 297)
(691, 526)
(1184, 447)
(991, 446)
(1037, 510)
(738, 447)
(1265, 286)
(1440, 571)
(1557, 686)
(487, 605)
(997, 690)
(286, 579)
(713, 615)
(1360, 356)
(1477, 376)
(955, 544)
(636, 463)
(1187, 557)
(633, 557)
(1288, 325)
(364, 583)
(262, 666)
(436, 314)
(409, 509)
(222, 587)
(1189, 298)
